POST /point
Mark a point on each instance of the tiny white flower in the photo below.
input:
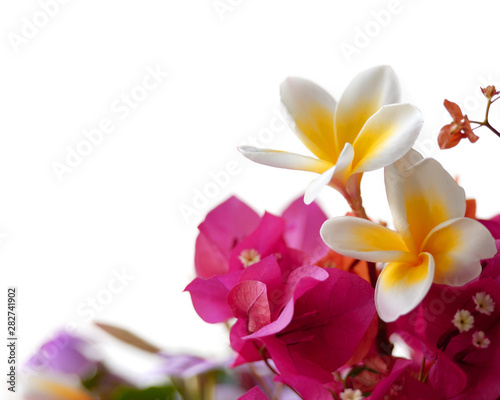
(484, 303)
(480, 340)
(349, 394)
(463, 320)
(249, 257)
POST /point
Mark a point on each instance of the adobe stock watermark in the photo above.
(121, 109)
(364, 35)
(87, 310)
(219, 180)
(223, 8)
(30, 27)
(95, 304)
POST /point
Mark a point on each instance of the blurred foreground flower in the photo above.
(66, 354)
(50, 389)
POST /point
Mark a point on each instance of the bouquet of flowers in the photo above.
(340, 308)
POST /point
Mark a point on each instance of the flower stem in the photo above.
(356, 205)
(355, 201)
(260, 380)
(422, 368)
(492, 129)
(351, 190)
(486, 122)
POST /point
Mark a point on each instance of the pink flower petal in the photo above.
(253, 394)
(248, 300)
(224, 227)
(265, 239)
(329, 322)
(384, 386)
(209, 259)
(247, 350)
(209, 296)
(308, 388)
(303, 223)
(299, 282)
(447, 377)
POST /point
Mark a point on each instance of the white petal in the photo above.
(410, 159)
(312, 108)
(393, 175)
(283, 159)
(316, 186)
(401, 287)
(386, 137)
(335, 176)
(366, 93)
(343, 168)
(364, 240)
(421, 198)
(457, 246)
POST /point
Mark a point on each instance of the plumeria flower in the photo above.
(434, 242)
(364, 131)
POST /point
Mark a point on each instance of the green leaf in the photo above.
(152, 393)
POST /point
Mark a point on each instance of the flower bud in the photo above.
(489, 91)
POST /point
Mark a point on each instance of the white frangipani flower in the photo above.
(434, 242)
(363, 132)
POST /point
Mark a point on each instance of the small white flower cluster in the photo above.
(463, 320)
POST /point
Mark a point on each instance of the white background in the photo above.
(120, 207)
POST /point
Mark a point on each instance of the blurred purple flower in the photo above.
(64, 353)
